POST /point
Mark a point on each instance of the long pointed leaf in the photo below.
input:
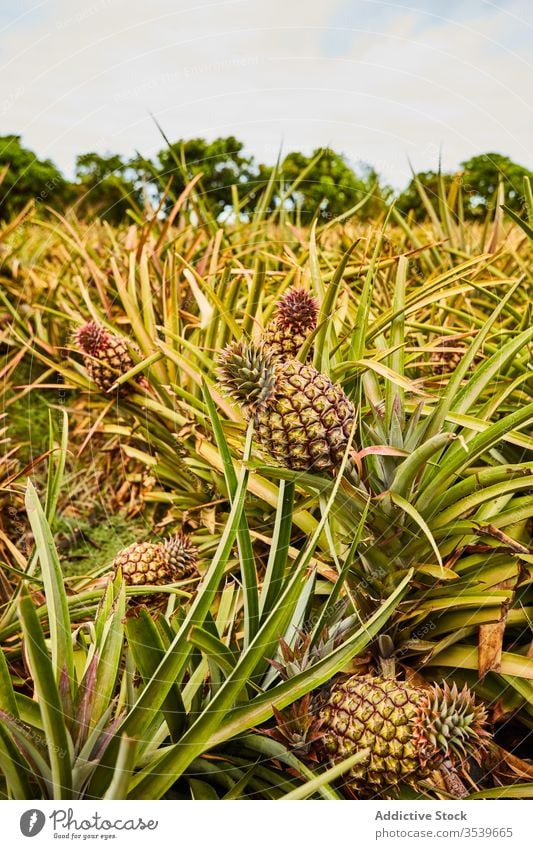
(56, 598)
(48, 696)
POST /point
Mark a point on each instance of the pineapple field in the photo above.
(266, 504)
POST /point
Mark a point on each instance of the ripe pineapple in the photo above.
(106, 356)
(295, 318)
(157, 564)
(301, 418)
(409, 731)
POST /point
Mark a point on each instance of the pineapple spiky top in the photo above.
(91, 338)
(301, 418)
(247, 373)
(295, 318)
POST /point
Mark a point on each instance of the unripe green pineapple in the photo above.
(294, 319)
(148, 563)
(106, 356)
(301, 418)
(409, 731)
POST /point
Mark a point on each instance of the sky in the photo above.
(380, 81)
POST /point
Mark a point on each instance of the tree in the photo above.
(481, 175)
(28, 178)
(432, 183)
(330, 187)
(479, 179)
(107, 186)
(221, 162)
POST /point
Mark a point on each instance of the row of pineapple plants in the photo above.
(108, 717)
(345, 479)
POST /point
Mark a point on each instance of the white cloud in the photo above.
(381, 82)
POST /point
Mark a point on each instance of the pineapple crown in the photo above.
(91, 337)
(294, 660)
(451, 723)
(247, 373)
(457, 339)
(298, 727)
(297, 309)
(181, 553)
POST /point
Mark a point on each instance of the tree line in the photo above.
(231, 181)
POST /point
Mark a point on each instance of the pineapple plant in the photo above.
(436, 562)
(409, 731)
(156, 564)
(302, 419)
(295, 318)
(106, 356)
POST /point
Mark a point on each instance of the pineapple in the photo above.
(294, 320)
(409, 731)
(301, 418)
(106, 356)
(157, 564)
(448, 353)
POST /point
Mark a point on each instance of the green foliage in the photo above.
(476, 183)
(109, 701)
(330, 186)
(28, 179)
(229, 180)
(481, 176)
(107, 187)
